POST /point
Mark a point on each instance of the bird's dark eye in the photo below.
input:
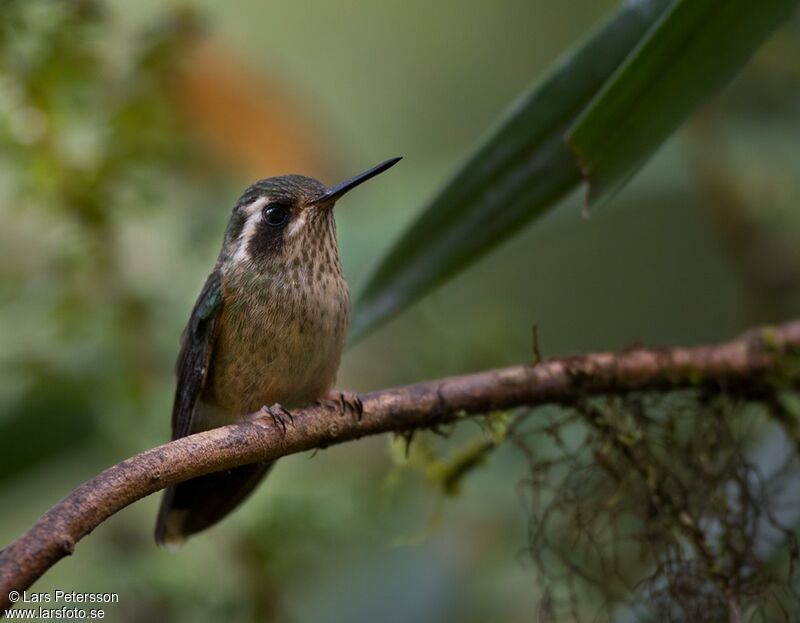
(276, 215)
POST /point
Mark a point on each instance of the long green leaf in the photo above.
(522, 168)
(696, 48)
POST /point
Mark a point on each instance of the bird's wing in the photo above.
(197, 343)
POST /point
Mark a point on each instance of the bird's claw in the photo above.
(277, 413)
(351, 401)
(343, 401)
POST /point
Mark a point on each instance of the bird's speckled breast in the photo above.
(280, 338)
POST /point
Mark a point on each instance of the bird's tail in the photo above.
(199, 503)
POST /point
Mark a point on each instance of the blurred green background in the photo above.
(127, 131)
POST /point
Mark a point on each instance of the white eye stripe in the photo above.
(254, 216)
(256, 206)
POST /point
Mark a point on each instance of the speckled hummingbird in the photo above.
(266, 333)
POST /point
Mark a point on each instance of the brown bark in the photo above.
(748, 363)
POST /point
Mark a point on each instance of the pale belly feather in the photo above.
(279, 346)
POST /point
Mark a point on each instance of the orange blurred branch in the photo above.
(246, 117)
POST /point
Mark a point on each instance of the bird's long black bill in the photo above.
(334, 192)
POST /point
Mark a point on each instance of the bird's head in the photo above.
(283, 218)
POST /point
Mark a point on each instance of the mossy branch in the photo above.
(749, 363)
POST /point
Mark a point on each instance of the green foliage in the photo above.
(86, 135)
(447, 471)
(521, 169)
(694, 50)
(599, 114)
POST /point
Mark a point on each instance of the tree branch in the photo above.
(749, 363)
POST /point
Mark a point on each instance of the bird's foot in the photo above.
(343, 402)
(278, 414)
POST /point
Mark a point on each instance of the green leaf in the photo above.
(695, 49)
(522, 168)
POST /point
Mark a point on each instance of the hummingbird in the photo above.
(265, 335)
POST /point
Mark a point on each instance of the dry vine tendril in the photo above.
(664, 506)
